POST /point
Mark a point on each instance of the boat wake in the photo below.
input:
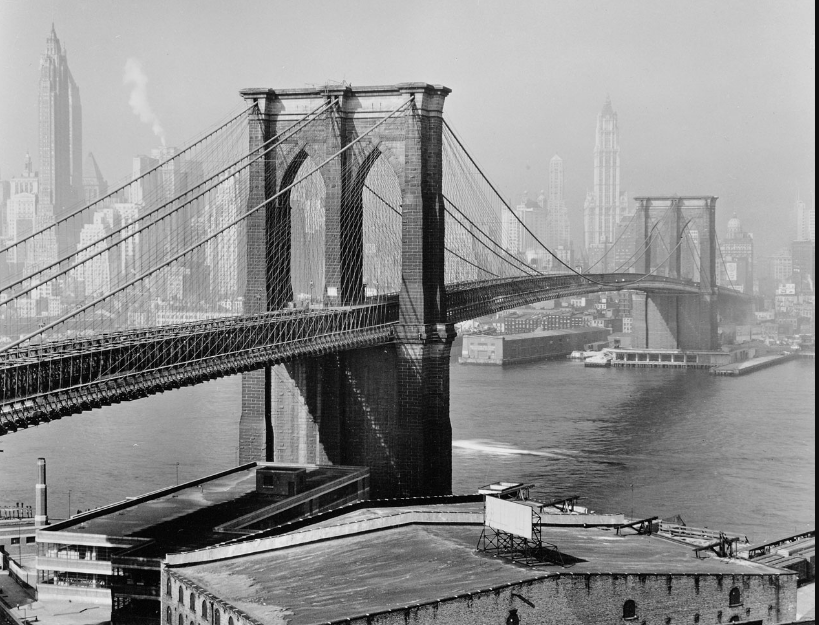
(502, 449)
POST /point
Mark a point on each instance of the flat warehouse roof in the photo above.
(185, 518)
(384, 569)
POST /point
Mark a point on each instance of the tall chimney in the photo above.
(41, 500)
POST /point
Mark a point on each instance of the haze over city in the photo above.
(711, 98)
(355, 312)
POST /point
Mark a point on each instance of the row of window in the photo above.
(29, 540)
(216, 614)
(734, 600)
(629, 607)
(217, 617)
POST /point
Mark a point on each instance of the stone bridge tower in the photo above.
(385, 407)
(677, 239)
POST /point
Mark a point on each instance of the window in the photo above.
(230, 620)
(181, 621)
(30, 539)
(734, 597)
(168, 589)
(192, 603)
(629, 609)
(168, 617)
(217, 615)
(204, 609)
(181, 596)
(15, 541)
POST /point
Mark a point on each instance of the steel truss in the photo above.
(520, 550)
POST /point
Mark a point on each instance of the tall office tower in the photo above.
(94, 275)
(805, 221)
(515, 233)
(803, 258)
(222, 252)
(736, 266)
(94, 185)
(21, 209)
(5, 193)
(61, 181)
(557, 235)
(604, 206)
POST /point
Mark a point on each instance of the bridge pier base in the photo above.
(386, 408)
(424, 443)
(686, 322)
(255, 424)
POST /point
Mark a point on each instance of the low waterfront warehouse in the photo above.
(418, 563)
(483, 349)
(113, 555)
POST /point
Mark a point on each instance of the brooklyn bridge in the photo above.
(323, 243)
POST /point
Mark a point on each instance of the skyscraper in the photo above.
(604, 206)
(736, 265)
(805, 221)
(558, 235)
(61, 180)
(61, 183)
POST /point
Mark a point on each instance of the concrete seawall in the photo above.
(754, 364)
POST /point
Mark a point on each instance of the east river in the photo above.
(736, 454)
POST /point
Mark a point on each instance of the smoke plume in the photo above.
(135, 77)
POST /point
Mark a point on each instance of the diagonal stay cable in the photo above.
(613, 245)
(524, 267)
(646, 245)
(665, 260)
(525, 227)
(469, 262)
(724, 266)
(133, 232)
(451, 251)
(113, 193)
(212, 236)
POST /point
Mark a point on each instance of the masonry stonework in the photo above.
(678, 240)
(386, 408)
(554, 599)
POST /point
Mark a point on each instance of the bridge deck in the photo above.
(46, 381)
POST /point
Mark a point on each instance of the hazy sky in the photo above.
(712, 97)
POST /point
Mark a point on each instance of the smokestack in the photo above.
(41, 499)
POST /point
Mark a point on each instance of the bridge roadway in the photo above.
(54, 379)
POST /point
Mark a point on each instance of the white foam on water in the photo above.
(502, 449)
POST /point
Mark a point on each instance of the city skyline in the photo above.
(341, 251)
(748, 87)
(61, 180)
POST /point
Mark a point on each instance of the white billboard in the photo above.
(508, 516)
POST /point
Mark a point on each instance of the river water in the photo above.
(736, 454)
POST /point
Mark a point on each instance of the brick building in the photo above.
(112, 555)
(418, 564)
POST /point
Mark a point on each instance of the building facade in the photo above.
(604, 206)
(61, 177)
(803, 261)
(557, 235)
(805, 221)
(736, 268)
(112, 555)
(418, 565)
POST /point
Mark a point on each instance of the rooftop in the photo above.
(372, 571)
(187, 516)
